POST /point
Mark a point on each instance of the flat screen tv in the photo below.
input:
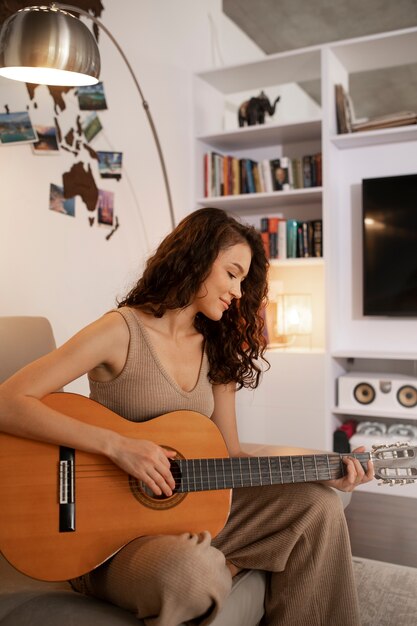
(389, 212)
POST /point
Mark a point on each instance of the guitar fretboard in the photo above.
(231, 473)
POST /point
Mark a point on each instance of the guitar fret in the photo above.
(260, 472)
(215, 474)
(292, 470)
(241, 472)
(342, 467)
(280, 470)
(315, 466)
(270, 470)
(208, 475)
(304, 469)
(328, 466)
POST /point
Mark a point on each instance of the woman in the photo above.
(185, 337)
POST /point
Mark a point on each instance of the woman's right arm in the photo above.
(102, 344)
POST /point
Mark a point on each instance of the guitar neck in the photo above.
(231, 473)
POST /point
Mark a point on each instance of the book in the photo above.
(279, 170)
(307, 240)
(265, 234)
(343, 113)
(307, 172)
(235, 176)
(292, 228)
(266, 171)
(273, 237)
(282, 238)
(207, 175)
(317, 238)
(298, 173)
(403, 118)
(249, 176)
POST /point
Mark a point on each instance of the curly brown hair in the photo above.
(174, 274)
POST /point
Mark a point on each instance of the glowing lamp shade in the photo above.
(292, 314)
(48, 46)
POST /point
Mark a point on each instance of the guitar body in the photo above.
(109, 508)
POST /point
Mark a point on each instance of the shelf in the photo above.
(272, 348)
(370, 354)
(377, 51)
(297, 262)
(255, 201)
(397, 415)
(274, 69)
(375, 137)
(264, 135)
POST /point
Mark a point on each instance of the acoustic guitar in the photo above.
(64, 511)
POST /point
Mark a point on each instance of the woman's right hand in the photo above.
(145, 461)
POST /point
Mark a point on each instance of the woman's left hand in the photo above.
(355, 476)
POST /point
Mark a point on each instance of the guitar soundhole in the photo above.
(147, 497)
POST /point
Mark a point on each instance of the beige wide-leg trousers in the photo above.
(296, 532)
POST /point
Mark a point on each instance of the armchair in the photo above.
(25, 601)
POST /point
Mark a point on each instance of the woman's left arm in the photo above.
(224, 416)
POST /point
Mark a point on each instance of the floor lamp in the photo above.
(49, 46)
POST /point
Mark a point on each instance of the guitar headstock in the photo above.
(395, 464)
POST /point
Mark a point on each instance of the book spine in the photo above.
(273, 237)
(307, 178)
(265, 235)
(305, 246)
(317, 226)
(235, 176)
(207, 175)
(292, 226)
(266, 168)
(282, 239)
(256, 177)
(300, 246)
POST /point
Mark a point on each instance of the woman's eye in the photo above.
(231, 275)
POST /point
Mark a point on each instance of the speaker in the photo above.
(378, 392)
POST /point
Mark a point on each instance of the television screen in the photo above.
(389, 210)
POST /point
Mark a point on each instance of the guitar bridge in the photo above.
(66, 489)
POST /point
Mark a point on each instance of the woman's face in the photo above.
(223, 283)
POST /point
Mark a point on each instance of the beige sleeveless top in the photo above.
(144, 389)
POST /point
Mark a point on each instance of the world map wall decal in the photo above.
(78, 179)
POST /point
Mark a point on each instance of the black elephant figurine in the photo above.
(253, 111)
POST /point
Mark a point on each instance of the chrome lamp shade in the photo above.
(47, 45)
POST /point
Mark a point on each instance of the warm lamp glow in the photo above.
(293, 318)
(47, 76)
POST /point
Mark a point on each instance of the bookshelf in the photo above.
(349, 341)
(272, 202)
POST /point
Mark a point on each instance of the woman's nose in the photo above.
(236, 291)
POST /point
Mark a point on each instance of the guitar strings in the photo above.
(236, 473)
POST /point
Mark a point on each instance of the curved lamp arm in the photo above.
(69, 7)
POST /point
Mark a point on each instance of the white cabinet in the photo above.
(348, 340)
(355, 342)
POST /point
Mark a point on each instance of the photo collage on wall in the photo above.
(47, 139)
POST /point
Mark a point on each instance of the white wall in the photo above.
(58, 266)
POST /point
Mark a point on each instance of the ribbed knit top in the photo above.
(144, 389)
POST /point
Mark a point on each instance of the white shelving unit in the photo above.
(258, 202)
(352, 341)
